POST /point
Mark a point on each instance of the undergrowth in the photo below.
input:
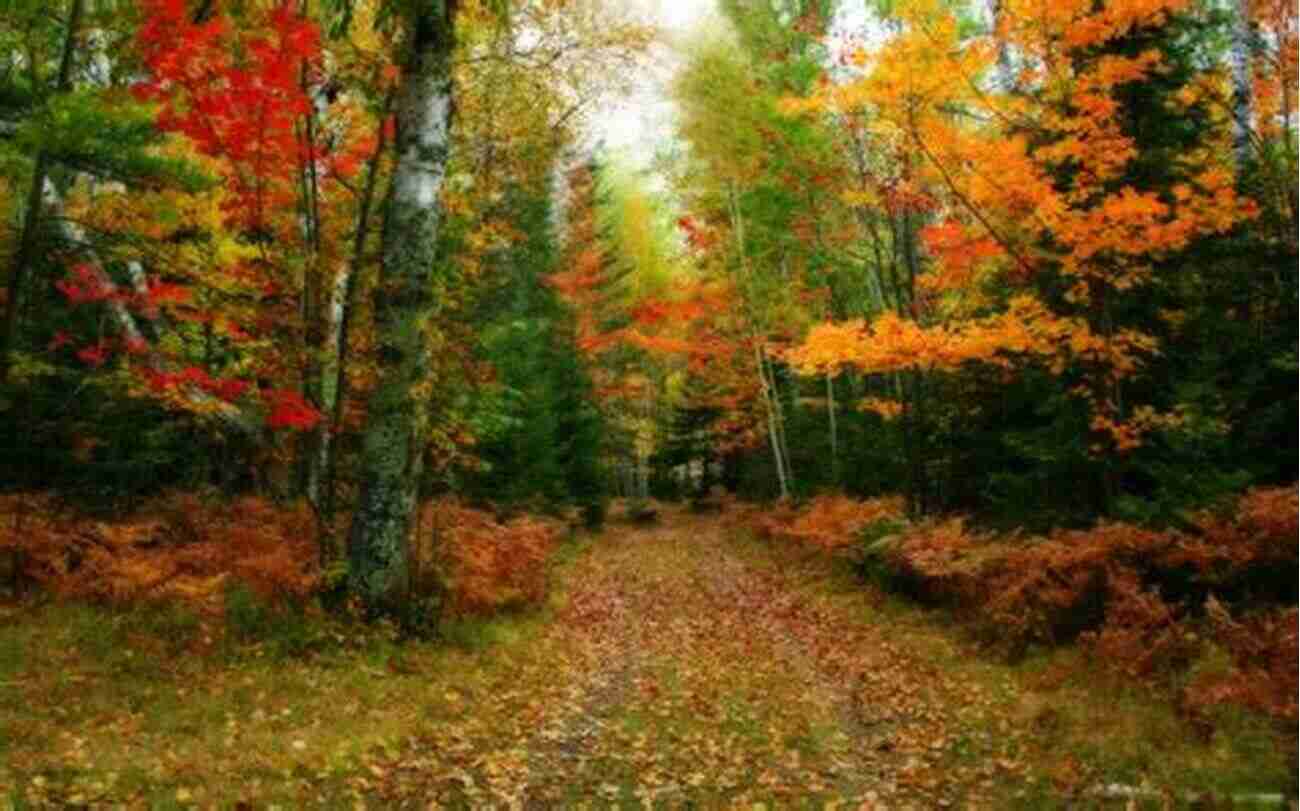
(252, 569)
(1205, 615)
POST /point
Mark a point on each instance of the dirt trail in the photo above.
(686, 668)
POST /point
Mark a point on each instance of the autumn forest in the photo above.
(395, 414)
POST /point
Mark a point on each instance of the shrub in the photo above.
(1142, 635)
(1264, 648)
(1145, 604)
(592, 512)
(483, 565)
(1138, 583)
(640, 511)
(832, 523)
(178, 548)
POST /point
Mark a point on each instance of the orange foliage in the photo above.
(178, 548)
(1000, 193)
(1050, 589)
(1027, 330)
(1141, 602)
(1132, 597)
(829, 522)
(1143, 635)
(1265, 651)
(486, 565)
(182, 548)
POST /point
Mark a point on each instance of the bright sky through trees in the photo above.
(637, 123)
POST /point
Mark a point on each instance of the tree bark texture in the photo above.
(393, 442)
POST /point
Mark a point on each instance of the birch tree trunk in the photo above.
(1005, 73)
(326, 389)
(75, 239)
(341, 338)
(771, 401)
(1243, 97)
(322, 303)
(778, 408)
(393, 441)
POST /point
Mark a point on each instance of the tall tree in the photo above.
(393, 451)
(37, 193)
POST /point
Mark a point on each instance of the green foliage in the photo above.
(285, 629)
(82, 132)
(539, 434)
(85, 438)
(870, 558)
(689, 441)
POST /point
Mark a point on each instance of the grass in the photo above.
(174, 716)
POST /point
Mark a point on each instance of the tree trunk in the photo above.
(1243, 100)
(343, 327)
(321, 309)
(914, 405)
(327, 390)
(26, 252)
(834, 429)
(393, 443)
(1005, 72)
(775, 416)
(773, 423)
(780, 424)
(126, 322)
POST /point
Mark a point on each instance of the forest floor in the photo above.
(677, 665)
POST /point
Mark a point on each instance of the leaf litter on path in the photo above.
(682, 668)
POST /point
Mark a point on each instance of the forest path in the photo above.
(686, 666)
(678, 665)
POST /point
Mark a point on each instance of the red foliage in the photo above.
(290, 410)
(88, 284)
(1105, 580)
(699, 237)
(1134, 598)
(94, 355)
(183, 548)
(228, 389)
(236, 93)
(1143, 635)
(1265, 650)
(85, 285)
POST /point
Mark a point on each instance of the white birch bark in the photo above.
(328, 384)
(1243, 96)
(771, 402)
